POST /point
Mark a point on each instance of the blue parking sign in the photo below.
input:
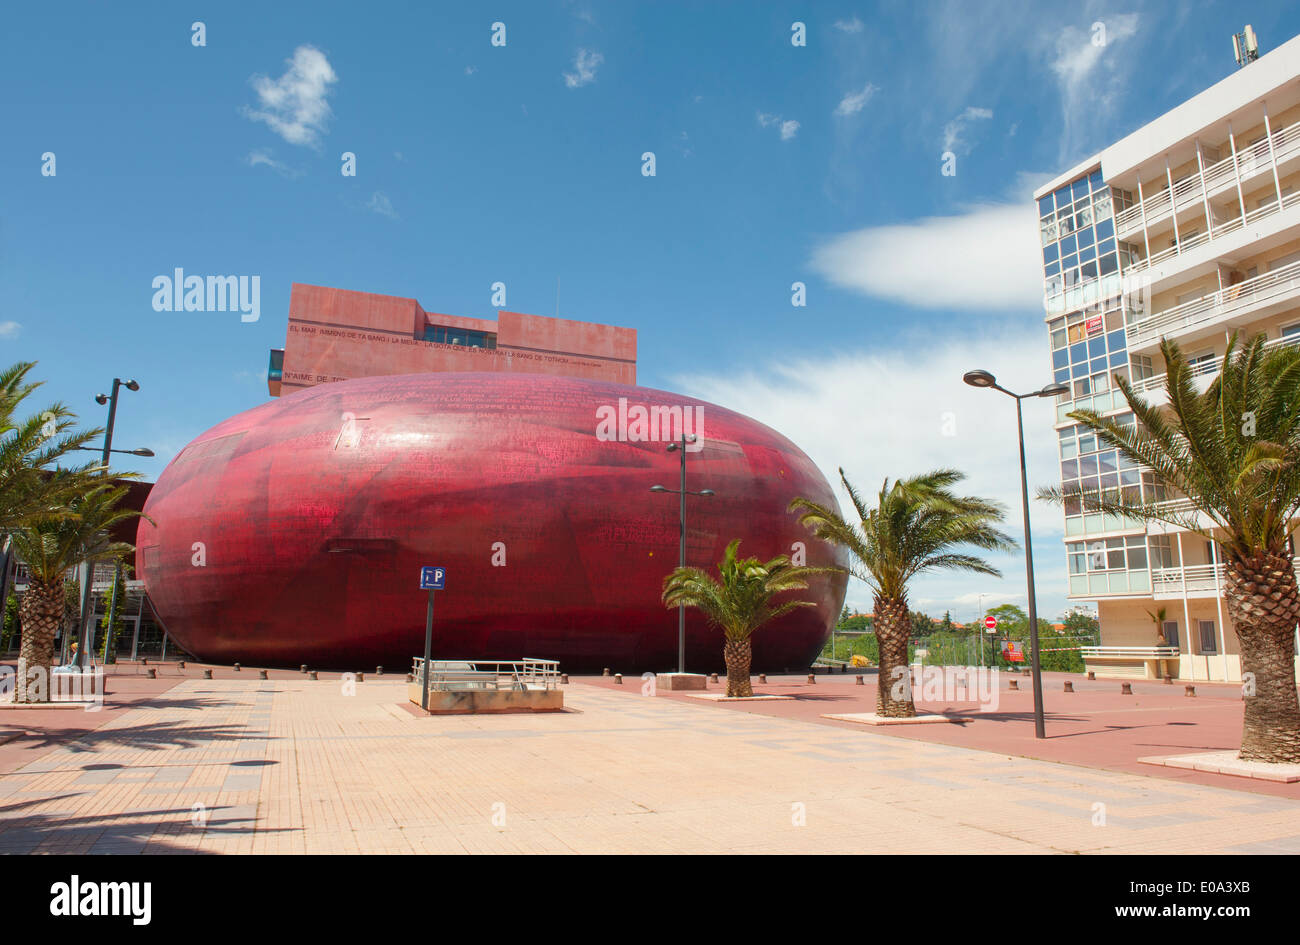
(432, 579)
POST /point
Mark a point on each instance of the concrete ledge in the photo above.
(678, 682)
(720, 697)
(61, 704)
(1227, 762)
(871, 718)
(470, 701)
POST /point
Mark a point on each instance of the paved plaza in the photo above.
(290, 765)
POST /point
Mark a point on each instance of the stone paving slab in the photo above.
(291, 766)
(1227, 762)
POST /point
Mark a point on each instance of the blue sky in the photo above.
(522, 164)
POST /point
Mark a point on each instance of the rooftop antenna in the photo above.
(1245, 46)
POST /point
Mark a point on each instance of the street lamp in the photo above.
(87, 624)
(682, 493)
(985, 379)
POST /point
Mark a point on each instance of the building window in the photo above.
(1171, 632)
(467, 337)
(1207, 636)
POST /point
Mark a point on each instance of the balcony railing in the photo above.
(1199, 578)
(1211, 181)
(1128, 652)
(1275, 286)
(1156, 382)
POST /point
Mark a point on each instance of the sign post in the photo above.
(431, 579)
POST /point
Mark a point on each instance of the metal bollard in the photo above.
(1169, 680)
(1069, 686)
(606, 671)
(312, 675)
(379, 670)
(303, 668)
(1125, 689)
(762, 677)
(1013, 684)
(410, 677)
(618, 679)
(207, 674)
(1189, 690)
(713, 677)
(180, 665)
(564, 679)
(1091, 674)
(153, 673)
(236, 667)
(812, 679)
(361, 677)
(859, 682)
(261, 674)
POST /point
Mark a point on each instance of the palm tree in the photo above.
(51, 546)
(741, 602)
(1234, 452)
(1158, 618)
(916, 526)
(30, 448)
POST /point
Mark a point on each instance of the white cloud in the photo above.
(788, 127)
(1090, 75)
(905, 410)
(849, 26)
(294, 106)
(263, 158)
(380, 204)
(584, 69)
(10, 329)
(470, 70)
(952, 132)
(854, 102)
(988, 257)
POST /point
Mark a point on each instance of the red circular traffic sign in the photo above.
(990, 623)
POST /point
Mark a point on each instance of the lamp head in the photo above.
(101, 399)
(707, 492)
(1054, 390)
(979, 379)
(142, 451)
(132, 385)
(672, 447)
(658, 489)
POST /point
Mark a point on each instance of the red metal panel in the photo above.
(292, 534)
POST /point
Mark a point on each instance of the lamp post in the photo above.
(87, 624)
(682, 493)
(985, 379)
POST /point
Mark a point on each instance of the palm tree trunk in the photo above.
(41, 612)
(1264, 606)
(893, 629)
(738, 653)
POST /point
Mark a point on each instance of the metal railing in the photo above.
(490, 675)
(1211, 181)
(1129, 652)
(1198, 577)
(1273, 286)
(1156, 382)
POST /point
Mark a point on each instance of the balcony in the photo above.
(1270, 288)
(1212, 181)
(1153, 388)
(1200, 580)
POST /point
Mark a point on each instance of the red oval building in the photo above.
(295, 532)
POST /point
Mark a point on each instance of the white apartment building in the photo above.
(1188, 228)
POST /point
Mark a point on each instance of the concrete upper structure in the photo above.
(336, 334)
